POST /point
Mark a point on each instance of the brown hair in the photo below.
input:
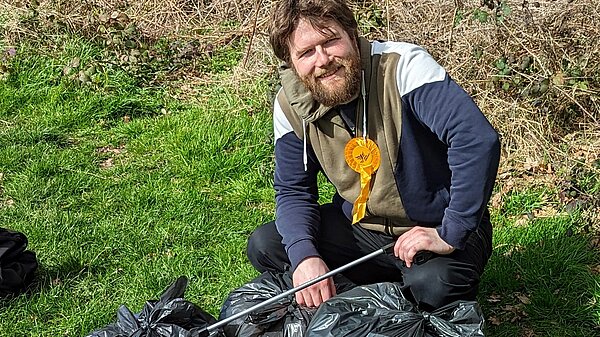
(287, 13)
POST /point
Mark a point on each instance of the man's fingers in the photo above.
(314, 295)
(309, 301)
(417, 239)
(307, 296)
(404, 242)
(325, 291)
(409, 256)
(300, 299)
(307, 270)
(322, 292)
(410, 243)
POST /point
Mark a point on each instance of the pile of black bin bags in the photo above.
(376, 310)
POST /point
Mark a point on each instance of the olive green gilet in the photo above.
(328, 137)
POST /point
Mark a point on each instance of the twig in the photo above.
(451, 38)
(577, 103)
(387, 14)
(253, 33)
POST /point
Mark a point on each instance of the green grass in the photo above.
(549, 268)
(121, 189)
(185, 186)
(539, 278)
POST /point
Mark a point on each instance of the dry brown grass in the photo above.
(536, 129)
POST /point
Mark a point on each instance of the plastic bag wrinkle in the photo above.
(380, 310)
(284, 318)
(170, 316)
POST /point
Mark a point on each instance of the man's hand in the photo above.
(418, 239)
(310, 268)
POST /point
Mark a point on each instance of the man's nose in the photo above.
(322, 56)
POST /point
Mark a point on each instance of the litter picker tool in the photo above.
(292, 291)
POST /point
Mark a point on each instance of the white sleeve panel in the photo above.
(281, 125)
(415, 67)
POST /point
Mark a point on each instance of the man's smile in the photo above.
(330, 72)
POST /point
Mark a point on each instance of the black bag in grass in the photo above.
(380, 310)
(17, 265)
(170, 316)
(284, 318)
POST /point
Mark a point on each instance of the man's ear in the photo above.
(285, 65)
(287, 68)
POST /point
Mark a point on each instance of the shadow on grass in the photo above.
(540, 282)
(72, 269)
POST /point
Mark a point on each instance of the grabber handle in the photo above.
(304, 285)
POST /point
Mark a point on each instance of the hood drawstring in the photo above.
(304, 155)
(363, 91)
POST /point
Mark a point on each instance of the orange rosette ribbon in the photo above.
(362, 155)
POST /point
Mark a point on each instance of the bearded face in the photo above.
(326, 61)
(342, 89)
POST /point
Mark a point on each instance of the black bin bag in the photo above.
(170, 316)
(17, 264)
(380, 310)
(284, 318)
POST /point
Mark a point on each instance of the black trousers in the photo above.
(440, 280)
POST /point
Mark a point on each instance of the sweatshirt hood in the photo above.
(300, 98)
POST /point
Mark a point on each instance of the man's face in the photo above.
(326, 61)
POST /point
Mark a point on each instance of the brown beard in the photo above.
(341, 93)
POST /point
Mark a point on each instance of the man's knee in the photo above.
(259, 240)
(264, 250)
(437, 283)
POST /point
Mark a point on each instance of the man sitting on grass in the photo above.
(411, 156)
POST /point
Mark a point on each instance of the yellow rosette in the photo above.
(362, 155)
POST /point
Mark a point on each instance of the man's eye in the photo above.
(306, 53)
(332, 40)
